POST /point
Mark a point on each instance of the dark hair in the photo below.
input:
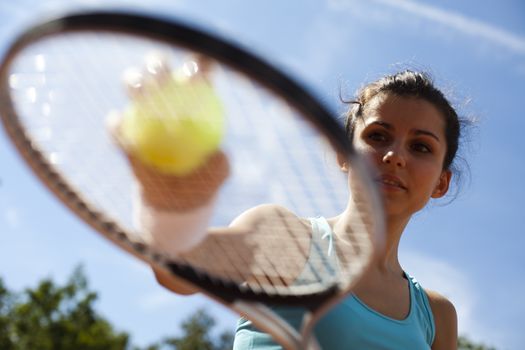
(418, 85)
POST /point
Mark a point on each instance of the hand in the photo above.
(160, 190)
(156, 71)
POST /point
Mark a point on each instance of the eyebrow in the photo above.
(417, 131)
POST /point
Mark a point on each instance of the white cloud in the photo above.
(468, 299)
(461, 23)
(442, 277)
(158, 300)
(487, 32)
(12, 218)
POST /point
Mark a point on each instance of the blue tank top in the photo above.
(352, 324)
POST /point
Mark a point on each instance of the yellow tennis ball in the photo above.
(176, 126)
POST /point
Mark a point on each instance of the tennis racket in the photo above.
(62, 78)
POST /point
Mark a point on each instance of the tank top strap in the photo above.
(322, 234)
(420, 308)
(322, 257)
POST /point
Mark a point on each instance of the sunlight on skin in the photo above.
(458, 27)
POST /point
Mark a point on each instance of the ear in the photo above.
(442, 186)
(343, 162)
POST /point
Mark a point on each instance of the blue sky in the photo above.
(471, 250)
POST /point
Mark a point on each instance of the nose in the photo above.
(394, 158)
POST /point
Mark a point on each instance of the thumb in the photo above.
(114, 127)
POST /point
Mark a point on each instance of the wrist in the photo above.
(166, 192)
(172, 232)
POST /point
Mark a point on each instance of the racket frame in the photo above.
(245, 301)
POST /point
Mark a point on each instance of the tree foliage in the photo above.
(197, 335)
(466, 344)
(53, 317)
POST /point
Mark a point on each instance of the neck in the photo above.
(385, 260)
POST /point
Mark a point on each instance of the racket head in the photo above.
(60, 80)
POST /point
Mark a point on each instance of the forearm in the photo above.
(173, 213)
(172, 283)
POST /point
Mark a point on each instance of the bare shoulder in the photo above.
(264, 213)
(441, 305)
(445, 319)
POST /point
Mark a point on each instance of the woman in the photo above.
(408, 131)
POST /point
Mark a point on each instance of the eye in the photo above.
(377, 136)
(421, 147)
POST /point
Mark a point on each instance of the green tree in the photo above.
(466, 344)
(52, 317)
(5, 305)
(55, 317)
(197, 335)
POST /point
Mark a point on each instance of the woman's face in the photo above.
(404, 139)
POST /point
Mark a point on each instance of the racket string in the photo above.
(274, 156)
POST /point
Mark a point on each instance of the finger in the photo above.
(133, 79)
(156, 67)
(195, 67)
(114, 127)
(204, 64)
(155, 71)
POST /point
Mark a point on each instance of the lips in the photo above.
(391, 182)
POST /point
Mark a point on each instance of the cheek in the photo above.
(427, 177)
(365, 149)
(370, 155)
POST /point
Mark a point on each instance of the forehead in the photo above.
(405, 113)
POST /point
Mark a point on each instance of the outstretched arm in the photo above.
(246, 250)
